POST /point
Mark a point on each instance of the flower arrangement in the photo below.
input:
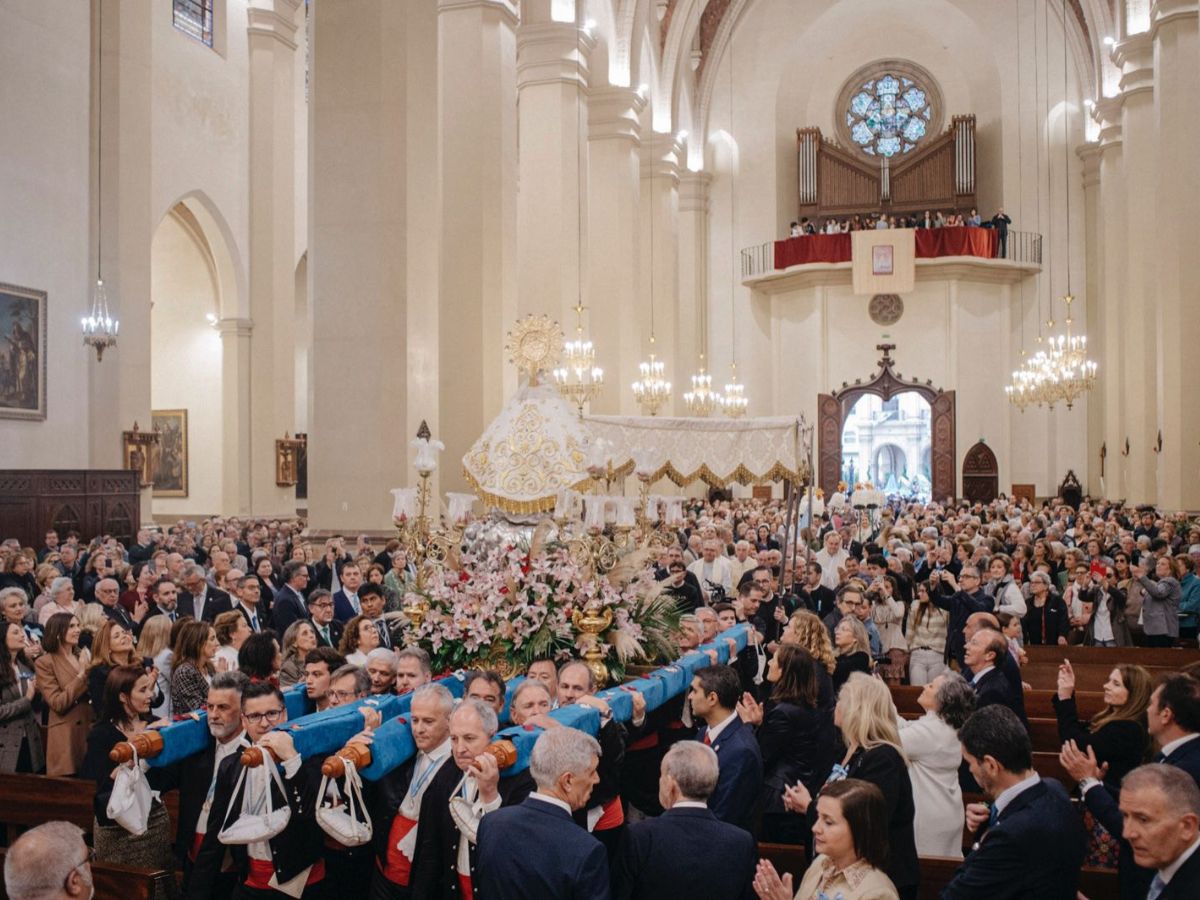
(504, 607)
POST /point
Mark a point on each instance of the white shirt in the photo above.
(1168, 872)
(222, 751)
(1102, 629)
(426, 767)
(689, 804)
(718, 572)
(1008, 795)
(1170, 748)
(830, 563)
(714, 731)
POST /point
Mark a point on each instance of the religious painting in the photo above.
(882, 259)
(171, 468)
(22, 353)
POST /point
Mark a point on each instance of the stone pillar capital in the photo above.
(234, 327)
(552, 52)
(1108, 115)
(693, 191)
(1169, 11)
(1134, 56)
(614, 113)
(504, 9)
(661, 156)
(273, 20)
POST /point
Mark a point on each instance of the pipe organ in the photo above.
(836, 182)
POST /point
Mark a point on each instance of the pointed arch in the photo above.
(231, 277)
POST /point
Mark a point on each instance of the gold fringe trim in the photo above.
(740, 475)
(520, 507)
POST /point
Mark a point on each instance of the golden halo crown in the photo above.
(534, 345)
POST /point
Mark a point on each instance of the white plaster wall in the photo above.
(200, 124)
(185, 357)
(44, 210)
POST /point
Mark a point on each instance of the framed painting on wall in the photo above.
(171, 467)
(22, 353)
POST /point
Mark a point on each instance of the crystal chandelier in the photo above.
(579, 380)
(98, 326)
(1070, 373)
(702, 400)
(735, 400)
(652, 390)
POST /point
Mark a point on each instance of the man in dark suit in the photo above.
(320, 613)
(1161, 806)
(195, 775)
(713, 696)
(1033, 845)
(249, 593)
(961, 602)
(987, 654)
(403, 798)
(345, 601)
(107, 594)
(815, 596)
(535, 850)
(288, 605)
(294, 852)
(199, 599)
(1000, 221)
(658, 857)
(448, 866)
(1173, 720)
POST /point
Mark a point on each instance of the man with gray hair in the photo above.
(658, 857)
(200, 599)
(1161, 807)
(381, 669)
(535, 849)
(50, 862)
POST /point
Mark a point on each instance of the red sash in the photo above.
(464, 885)
(612, 817)
(396, 867)
(263, 870)
(644, 743)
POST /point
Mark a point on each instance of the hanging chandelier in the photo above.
(579, 380)
(702, 400)
(652, 390)
(735, 401)
(1070, 373)
(98, 326)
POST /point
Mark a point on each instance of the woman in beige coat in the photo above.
(62, 682)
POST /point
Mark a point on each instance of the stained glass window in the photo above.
(888, 115)
(194, 18)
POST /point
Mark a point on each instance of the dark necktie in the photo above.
(384, 638)
(325, 635)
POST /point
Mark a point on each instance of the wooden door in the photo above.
(981, 474)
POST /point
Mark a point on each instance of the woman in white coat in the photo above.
(934, 753)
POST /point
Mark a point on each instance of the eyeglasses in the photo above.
(324, 604)
(341, 696)
(87, 860)
(270, 716)
(969, 575)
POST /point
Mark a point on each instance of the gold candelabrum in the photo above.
(428, 543)
(592, 623)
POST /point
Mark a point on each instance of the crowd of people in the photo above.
(796, 740)
(881, 221)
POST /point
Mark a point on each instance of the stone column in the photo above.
(478, 146)
(359, 223)
(272, 263)
(119, 386)
(552, 81)
(1140, 235)
(1112, 296)
(1097, 324)
(661, 155)
(1177, 127)
(236, 444)
(692, 311)
(614, 237)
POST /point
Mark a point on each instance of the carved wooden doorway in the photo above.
(832, 410)
(980, 474)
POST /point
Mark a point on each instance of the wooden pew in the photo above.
(937, 872)
(1038, 703)
(30, 800)
(1174, 658)
(1042, 732)
(114, 882)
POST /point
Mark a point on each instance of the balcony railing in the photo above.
(1020, 247)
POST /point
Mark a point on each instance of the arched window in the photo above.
(887, 108)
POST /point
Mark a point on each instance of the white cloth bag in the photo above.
(259, 819)
(131, 797)
(347, 823)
